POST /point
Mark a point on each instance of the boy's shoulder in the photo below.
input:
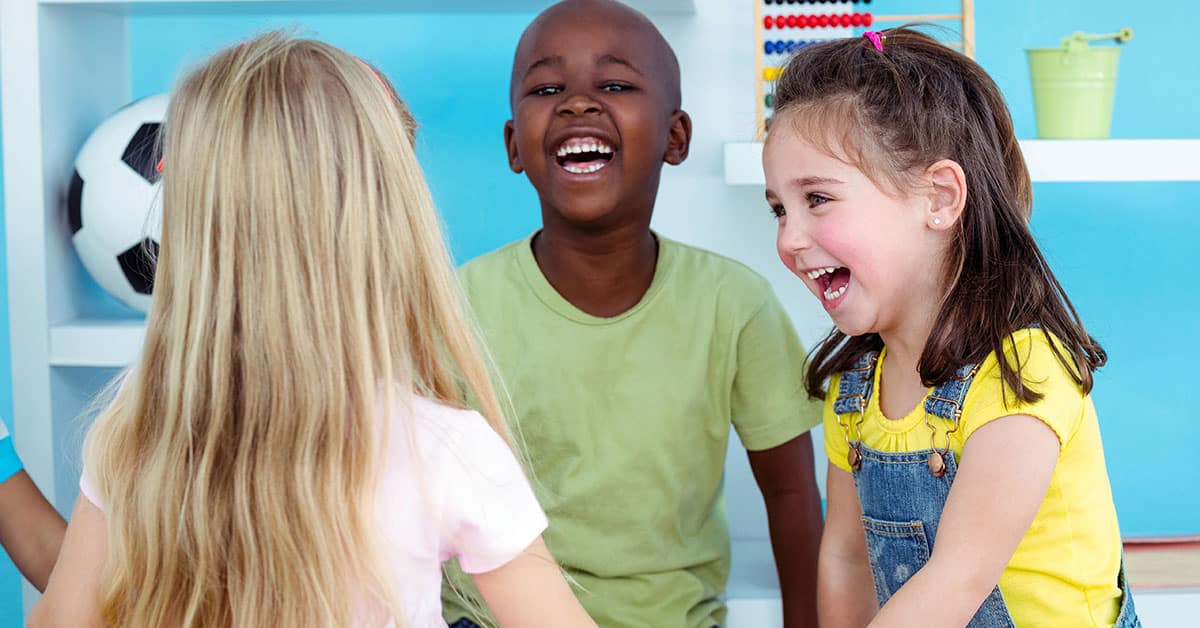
(489, 262)
(494, 269)
(724, 276)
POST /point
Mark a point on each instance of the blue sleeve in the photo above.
(9, 462)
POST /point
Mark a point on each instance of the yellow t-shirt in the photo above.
(1064, 572)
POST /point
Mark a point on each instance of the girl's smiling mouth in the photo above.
(833, 282)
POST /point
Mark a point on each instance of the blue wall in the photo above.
(10, 578)
(1125, 252)
(457, 88)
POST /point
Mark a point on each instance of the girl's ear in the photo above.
(947, 195)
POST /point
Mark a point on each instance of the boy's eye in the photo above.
(546, 90)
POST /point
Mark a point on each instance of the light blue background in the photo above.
(1126, 253)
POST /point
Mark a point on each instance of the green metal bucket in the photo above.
(1074, 86)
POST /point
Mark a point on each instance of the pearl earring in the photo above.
(937, 221)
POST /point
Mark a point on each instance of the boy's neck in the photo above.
(603, 273)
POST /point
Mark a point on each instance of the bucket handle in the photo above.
(1079, 41)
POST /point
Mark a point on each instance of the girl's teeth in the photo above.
(833, 294)
(814, 274)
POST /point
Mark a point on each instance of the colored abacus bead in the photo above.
(867, 19)
(824, 21)
(768, 99)
(768, 22)
(793, 21)
(856, 19)
(844, 19)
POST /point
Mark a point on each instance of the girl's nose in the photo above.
(792, 241)
(794, 236)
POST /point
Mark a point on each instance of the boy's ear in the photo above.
(510, 146)
(948, 193)
(679, 138)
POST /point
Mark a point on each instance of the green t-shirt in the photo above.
(626, 421)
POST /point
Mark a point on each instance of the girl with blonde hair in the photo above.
(292, 447)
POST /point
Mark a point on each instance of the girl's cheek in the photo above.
(835, 239)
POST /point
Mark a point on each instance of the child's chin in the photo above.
(584, 210)
(850, 328)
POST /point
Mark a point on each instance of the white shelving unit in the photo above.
(64, 66)
(1048, 160)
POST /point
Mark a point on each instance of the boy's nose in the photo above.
(579, 104)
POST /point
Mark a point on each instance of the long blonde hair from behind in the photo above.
(302, 269)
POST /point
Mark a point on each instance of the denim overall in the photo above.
(902, 494)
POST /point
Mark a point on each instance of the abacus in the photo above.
(782, 26)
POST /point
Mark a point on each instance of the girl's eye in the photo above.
(815, 200)
(546, 90)
(777, 211)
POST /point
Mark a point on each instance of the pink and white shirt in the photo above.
(450, 488)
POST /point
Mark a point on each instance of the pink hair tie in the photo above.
(876, 39)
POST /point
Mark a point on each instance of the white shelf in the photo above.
(657, 7)
(96, 342)
(1048, 160)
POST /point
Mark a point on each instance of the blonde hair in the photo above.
(302, 271)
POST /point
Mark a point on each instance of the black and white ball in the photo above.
(114, 206)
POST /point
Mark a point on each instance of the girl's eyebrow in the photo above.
(807, 181)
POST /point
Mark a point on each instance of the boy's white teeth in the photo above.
(575, 169)
(586, 146)
(833, 294)
(814, 274)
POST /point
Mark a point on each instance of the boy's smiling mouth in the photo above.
(584, 155)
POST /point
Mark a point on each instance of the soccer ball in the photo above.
(114, 207)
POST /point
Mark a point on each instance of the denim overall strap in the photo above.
(854, 389)
(946, 402)
(850, 406)
(947, 398)
(902, 502)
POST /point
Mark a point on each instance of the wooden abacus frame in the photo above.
(966, 18)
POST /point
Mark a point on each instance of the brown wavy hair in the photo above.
(892, 113)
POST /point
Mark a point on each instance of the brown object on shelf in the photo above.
(1163, 563)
